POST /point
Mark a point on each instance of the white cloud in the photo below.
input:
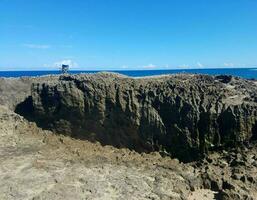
(44, 46)
(71, 63)
(150, 66)
(228, 64)
(37, 46)
(184, 66)
(199, 64)
(124, 67)
(166, 66)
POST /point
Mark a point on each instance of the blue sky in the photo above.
(127, 34)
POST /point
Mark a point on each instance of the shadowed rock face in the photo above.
(184, 115)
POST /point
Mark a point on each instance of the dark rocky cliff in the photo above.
(184, 115)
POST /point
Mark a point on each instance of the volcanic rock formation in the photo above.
(182, 115)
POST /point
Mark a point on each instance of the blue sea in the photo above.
(248, 73)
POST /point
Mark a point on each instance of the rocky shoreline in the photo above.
(182, 115)
(144, 125)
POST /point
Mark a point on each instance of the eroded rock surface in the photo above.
(16, 90)
(37, 164)
(182, 115)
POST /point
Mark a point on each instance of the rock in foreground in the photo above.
(37, 164)
(182, 115)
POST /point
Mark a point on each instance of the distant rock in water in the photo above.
(183, 115)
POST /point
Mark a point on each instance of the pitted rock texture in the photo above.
(15, 90)
(182, 115)
(38, 164)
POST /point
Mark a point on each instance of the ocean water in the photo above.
(248, 73)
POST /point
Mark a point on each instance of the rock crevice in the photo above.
(183, 115)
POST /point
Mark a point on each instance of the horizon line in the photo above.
(155, 69)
